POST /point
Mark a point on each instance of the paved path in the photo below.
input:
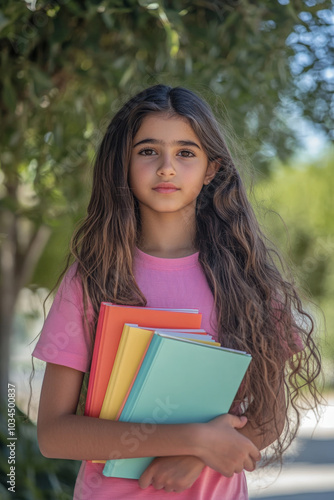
(308, 470)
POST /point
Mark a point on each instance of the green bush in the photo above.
(36, 477)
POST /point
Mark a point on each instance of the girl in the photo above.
(169, 225)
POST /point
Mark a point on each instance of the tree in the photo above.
(68, 64)
(302, 195)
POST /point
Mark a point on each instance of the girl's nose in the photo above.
(166, 166)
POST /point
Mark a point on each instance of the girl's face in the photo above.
(168, 165)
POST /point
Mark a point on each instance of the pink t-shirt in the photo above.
(171, 283)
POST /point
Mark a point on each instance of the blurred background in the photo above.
(266, 68)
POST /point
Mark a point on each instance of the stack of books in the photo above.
(154, 366)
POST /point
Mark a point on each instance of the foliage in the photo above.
(312, 66)
(67, 65)
(302, 195)
(36, 477)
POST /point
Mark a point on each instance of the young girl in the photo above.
(169, 225)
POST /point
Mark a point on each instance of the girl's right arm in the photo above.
(63, 434)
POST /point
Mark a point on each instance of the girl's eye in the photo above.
(186, 154)
(147, 152)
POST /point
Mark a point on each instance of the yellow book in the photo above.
(209, 342)
(132, 346)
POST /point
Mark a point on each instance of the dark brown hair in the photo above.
(258, 309)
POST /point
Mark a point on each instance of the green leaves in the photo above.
(4, 21)
(302, 196)
(67, 66)
(9, 95)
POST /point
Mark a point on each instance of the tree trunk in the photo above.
(17, 266)
(7, 297)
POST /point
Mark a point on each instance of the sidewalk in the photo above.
(308, 470)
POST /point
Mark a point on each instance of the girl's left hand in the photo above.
(172, 473)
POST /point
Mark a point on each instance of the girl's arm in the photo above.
(179, 473)
(63, 434)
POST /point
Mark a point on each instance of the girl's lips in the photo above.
(166, 189)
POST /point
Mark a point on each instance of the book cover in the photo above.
(179, 382)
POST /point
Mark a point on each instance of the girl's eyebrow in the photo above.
(158, 141)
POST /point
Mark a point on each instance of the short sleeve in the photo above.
(65, 338)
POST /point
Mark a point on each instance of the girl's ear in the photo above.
(212, 169)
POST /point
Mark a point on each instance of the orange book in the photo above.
(108, 336)
(94, 359)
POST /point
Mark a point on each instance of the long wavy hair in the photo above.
(259, 309)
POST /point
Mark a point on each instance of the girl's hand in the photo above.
(224, 449)
(172, 473)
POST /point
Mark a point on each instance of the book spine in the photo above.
(94, 358)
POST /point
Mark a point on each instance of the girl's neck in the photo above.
(167, 235)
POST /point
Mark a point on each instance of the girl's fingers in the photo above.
(250, 465)
(238, 422)
(168, 489)
(145, 479)
(157, 485)
(255, 455)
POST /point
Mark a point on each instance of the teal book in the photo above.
(179, 381)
